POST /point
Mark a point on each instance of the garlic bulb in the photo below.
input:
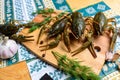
(8, 47)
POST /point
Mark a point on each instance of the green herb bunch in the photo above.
(38, 25)
(44, 11)
(47, 19)
(74, 69)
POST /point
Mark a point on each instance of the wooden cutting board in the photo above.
(17, 71)
(101, 42)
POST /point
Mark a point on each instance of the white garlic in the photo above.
(109, 56)
(8, 47)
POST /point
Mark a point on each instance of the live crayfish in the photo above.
(75, 24)
(10, 29)
(99, 25)
(71, 24)
(62, 26)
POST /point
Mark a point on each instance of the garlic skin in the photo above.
(109, 56)
(8, 48)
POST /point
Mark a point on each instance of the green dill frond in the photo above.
(33, 28)
(44, 11)
(74, 69)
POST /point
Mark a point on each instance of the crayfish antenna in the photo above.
(21, 38)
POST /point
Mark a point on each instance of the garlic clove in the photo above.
(4, 56)
(8, 49)
(13, 47)
(1, 51)
(6, 53)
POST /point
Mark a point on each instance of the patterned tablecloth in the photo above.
(22, 9)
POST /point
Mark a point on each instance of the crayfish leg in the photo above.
(112, 44)
(80, 49)
(26, 40)
(89, 21)
(49, 46)
(112, 20)
(40, 33)
(52, 44)
(112, 29)
(66, 38)
(91, 49)
(21, 38)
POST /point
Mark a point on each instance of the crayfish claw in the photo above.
(21, 38)
(52, 44)
(80, 49)
(46, 47)
(26, 40)
(49, 46)
(27, 36)
(92, 51)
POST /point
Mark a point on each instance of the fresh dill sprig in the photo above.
(74, 69)
(44, 11)
(33, 28)
(38, 25)
(46, 20)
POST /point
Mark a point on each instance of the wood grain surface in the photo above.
(96, 64)
(17, 71)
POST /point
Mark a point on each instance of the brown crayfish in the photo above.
(99, 24)
(69, 24)
(75, 24)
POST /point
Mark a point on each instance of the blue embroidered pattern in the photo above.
(29, 8)
(8, 5)
(37, 66)
(56, 75)
(25, 54)
(108, 68)
(61, 5)
(93, 9)
(39, 4)
(19, 14)
(12, 60)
